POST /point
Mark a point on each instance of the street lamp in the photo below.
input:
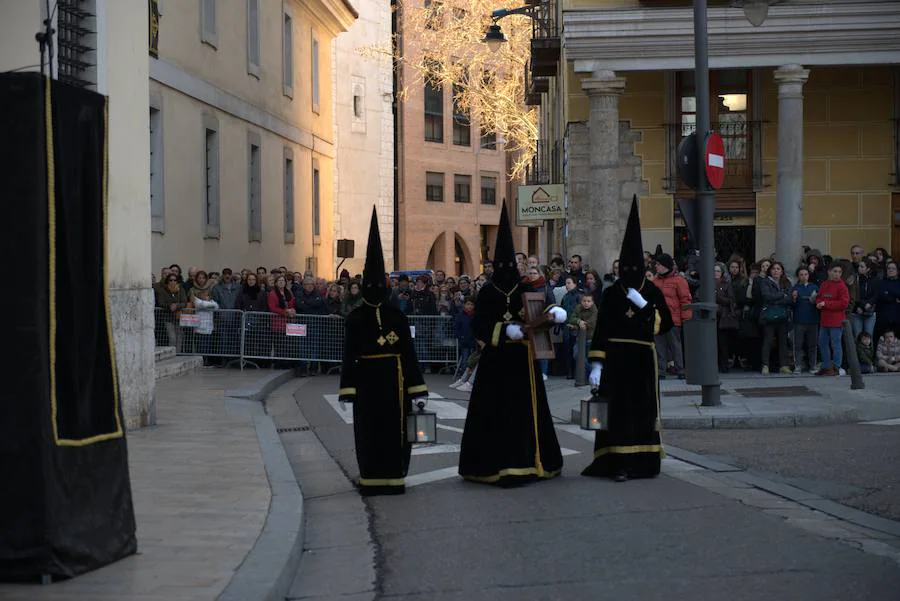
(494, 37)
(756, 11)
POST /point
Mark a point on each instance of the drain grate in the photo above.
(777, 391)
(293, 429)
(675, 393)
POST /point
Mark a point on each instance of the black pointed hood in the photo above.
(631, 258)
(374, 286)
(506, 273)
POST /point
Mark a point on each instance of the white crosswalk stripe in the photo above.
(884, 422)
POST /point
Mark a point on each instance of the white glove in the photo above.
(559, 314)
(514, 332)
(596, 370)
(634, 296)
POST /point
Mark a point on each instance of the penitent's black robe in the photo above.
(623, 341)
(509, 433)
(380, 376)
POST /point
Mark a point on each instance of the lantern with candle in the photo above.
(421, 425)
(594, 412)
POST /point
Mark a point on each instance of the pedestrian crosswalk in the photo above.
(884, 422)
(446, 410)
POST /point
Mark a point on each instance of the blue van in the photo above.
(412, 274)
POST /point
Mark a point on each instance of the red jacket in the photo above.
(836, 298)
(280, 319)
(677, 294)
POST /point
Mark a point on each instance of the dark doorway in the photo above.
(730, 239)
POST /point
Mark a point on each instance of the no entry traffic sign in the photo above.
(715, 161)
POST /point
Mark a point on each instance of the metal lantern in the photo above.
(421, 425)
(594, 413)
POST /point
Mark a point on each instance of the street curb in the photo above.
(791, 493)
(751, 422)
(263, 387)
(268, 569)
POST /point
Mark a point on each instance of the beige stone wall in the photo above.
(21, 19)
(848, 158)
(364, 174)
(643, 106)
(194, 78)
(848, 137)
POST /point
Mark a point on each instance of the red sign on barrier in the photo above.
(295, 329)
(189, 320)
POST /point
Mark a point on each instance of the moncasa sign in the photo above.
(539, 203)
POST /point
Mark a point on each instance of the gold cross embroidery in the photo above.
(392, 337)
(380, 340)
(629, 313)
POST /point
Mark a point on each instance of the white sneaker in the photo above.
(545, 377)
(465, 387)
(842, 372)
(456, 384)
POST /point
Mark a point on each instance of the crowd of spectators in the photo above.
(770, 319)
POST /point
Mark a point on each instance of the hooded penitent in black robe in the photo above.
(623, 342)
(509, 434)
(380, 376)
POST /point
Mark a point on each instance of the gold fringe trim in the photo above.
(382, 482)
(348, 391)
(513, 471)
(628, 450)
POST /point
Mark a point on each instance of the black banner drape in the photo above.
(65, 505)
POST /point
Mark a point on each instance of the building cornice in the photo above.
(337, 16)
(645, 39)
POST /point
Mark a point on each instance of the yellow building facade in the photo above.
(242, 133)
(837, 62)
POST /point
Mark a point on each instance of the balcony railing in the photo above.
(743, 153)
(546, 164)
(534, 86)
(545, 41)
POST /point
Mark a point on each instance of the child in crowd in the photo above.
(806, 321)
(832, 302)
(204, 307)
(466, 340)
(888, 353)
(584, 318)
(865, 351)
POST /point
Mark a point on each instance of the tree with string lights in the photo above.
(441, 44)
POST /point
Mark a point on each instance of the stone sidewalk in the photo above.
(201, 498)
(756, 401)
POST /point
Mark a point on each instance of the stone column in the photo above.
(605, 235)
(789, 207)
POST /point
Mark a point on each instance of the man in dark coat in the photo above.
(623, 357)
(509, 435)
(380, 376)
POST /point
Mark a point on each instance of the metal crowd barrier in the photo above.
(251, 336)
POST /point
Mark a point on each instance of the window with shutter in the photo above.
(288, 59)
(253, 37)
(208, 31)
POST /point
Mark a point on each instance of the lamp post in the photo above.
(705, 311)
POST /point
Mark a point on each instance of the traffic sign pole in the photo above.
(705, 311)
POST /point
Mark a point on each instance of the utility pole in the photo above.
(705, 310)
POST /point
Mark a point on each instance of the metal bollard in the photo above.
(856, 379)
(580, 356)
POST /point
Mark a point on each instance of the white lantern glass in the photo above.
(594, 413)
(421, 426)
